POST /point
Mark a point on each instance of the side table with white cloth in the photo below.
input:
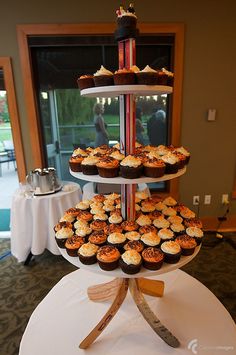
(188, 309)
(33, 219)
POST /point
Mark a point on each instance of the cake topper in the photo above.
(121, 11)
(131, 8)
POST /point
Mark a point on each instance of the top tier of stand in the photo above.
(116, 90)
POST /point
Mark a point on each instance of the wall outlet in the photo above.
(196, 200)
(207, 200)
(225, 199)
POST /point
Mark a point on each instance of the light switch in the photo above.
(211, 114)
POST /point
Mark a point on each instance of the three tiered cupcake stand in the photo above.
(138, 284)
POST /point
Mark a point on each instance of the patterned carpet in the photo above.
(23, 287)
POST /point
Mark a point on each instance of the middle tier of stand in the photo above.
(116, 90)
(123, 181)
(119, 273)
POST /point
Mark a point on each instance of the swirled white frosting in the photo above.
(82, 231)
(161, 223)
(170, 247)
(116, 238)
(91, 160)
(115, 218)
(194, 232)
(103, 71)
(132, 235)
(148, 69)
(151, 239)
(165, 233)
(64, 232)
(131, 257)
(131, 161)
(88, 249)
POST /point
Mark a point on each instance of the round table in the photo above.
(33, 219)
(189, 310)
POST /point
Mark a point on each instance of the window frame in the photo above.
(25, 31)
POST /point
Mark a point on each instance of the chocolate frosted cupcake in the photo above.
(152, 258)
(117, 240)
(147, 76)
(88, 165)
(62, 235)
(108, 167)
(85, 82)
(150, 239)
(98, 225)
(172, 252)
(112, 228)
(130, 262)
(134, 245)
(131, 167)
(73, 244)
(84, 216)
(124, 77)
(87, 253)
(108, 257)
(154, 168)
(103, 77)
(187, 244)
(193, 222)
(98, 238)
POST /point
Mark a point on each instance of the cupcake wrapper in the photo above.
(88, 260)
(75, 166)
(108, 266)
(147, 78)
(61, 243)
(124, 79)
(108, 173)
(153, 172)
(85, 83)
(89, 169)
(103, 80)
(188, 251)
(152, 265)
(171, 168)
(129, 269)
(131, 173)
(72, 252)
(172, 258)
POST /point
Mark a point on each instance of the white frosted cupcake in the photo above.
(132, 235)
(144, 220)
(160, 222)
(175, 219)
(83, 205)
(117, 240)
(131, 167)
(130, 262)
(169, 211)
(172, 163)
(196, 233)
(87, 253)
(172, 252)
(103, 77)
(62, 235)
(100, 217)
(177, 228)
(150, 239)
(88, 165)
(165, 234)
(115, 218)
(170, 201)
(82, 231)
(160, 206)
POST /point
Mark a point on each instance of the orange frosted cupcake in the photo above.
(129, 226)
(85, 82)
(154, 167)
(108, 257)
(98, 225)
(108, 167)
(134, 245)
(152, 258)
(98, 238)
(73, 244)
(187, 244)
(75, 163)
(124, 77)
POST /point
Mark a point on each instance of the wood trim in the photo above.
(23, 31)
(5, 65)
(213, 224)
(234, 190)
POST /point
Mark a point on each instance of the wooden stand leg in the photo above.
(104, 292)
(107, 317)
(150, 317)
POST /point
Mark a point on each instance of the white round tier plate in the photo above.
(119, 273)
(139, 90)
(120, 180)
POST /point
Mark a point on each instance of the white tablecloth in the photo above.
(190, 311)
(33, 219)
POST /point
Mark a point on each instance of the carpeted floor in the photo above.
(23, 287)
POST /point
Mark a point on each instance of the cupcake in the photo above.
(152, 258)
(134, 245)
(103, 77)
(116, 239)
(147, 229)
(169, 201)
(62, 224)
(84, 216)
(98, 225)
(170, 76)
(143, 220)
(62, 235)
(177, 228)
(67, 218)
(111, 228)
(196, 233)
(162, 150)
(175, 219)
(172, 163)
(116, 154)
(150, 239)
(172, 252)
(187, 244)
(132, 235)
(160, 222)
(108, 257)
(115, 218)
(83, 230)
(73, 244)
(130, 262)
(100, 216)
(88, 165)
(185, 152)
(154, 215)
(147, 76)
(193, 222)
(182, 159)
(142, 195)
(131, 167)
(169, 211)
(108, 167)
(162, 77)
(85, 82)
(124, 77)
(87, 253)
(129, 226)
(185, 212)
(83, 205)
(154, 168)
(73, 212)
(75, 163)
(165, 234)
(126, 23)
(98, 238)
(80, 223)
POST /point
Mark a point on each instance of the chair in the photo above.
(9, 149)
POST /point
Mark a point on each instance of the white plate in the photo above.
(119, 273)
(48, 192)
(116, 90)
(123, 181)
